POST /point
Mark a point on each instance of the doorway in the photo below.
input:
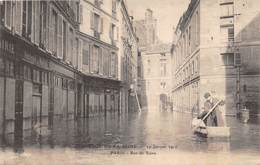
(36, 110)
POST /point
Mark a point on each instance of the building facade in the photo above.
(154, 72)
(59, 61)
(128, 50)
(38, 64)
(154, 65)
(146, 29)
(211, 54)
(98, 42)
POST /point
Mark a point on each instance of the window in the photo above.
(197, 27)
(64, 42)
(8, 14)
(112, 32)
(237, 59)
(228, 59)
(43, 22)
(231, 34)
(24, 19)
(227, 33)
(100, 61)
(55, 35)
(192, 68)
(163, 68)
(85, 54)
(96, 22)
(148, 70)
(139, 73)
(27, 19)
(227, 10)
(163, 85)
(95, 59)
(71, 45)
(114, 8)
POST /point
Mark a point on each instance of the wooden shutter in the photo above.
(101, 25)
(35, 22)
(80, 54)
(110, 31)
(91, 61)
(100, 60)
(117, 33)
(60, 43)
(33, 8)
(51, 31)
(81, 14)
(18, 17)
(92, 20)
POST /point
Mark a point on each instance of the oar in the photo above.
(201, 120)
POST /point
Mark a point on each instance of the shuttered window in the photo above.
(64, 42)
(8, 14)
(85, 54)
(100, 61)
(18, 17)
(60, 23)
(55, 32)
(43, 23)
(80, 55)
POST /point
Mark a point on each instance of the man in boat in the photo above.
(216, 117)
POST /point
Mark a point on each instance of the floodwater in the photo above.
(146, 133)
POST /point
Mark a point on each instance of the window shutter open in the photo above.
(110, 31)
(36, 18)
(81, 14)
(91, 59)
(60, 23)
(100, 61)
(117, 33)
(80, 47)
(92, 20)
(18, 18)
(101, 25)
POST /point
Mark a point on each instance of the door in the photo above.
(18, 123)
(36, 111)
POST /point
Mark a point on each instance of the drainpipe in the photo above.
(4, 99)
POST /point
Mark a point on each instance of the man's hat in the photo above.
(206, 95)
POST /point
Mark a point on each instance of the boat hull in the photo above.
(213, 131)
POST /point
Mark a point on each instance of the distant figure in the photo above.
(216, 117)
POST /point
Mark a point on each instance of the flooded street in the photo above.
(145, 137)
(155, 130)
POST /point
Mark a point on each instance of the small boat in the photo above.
(213, 131)
(199, 127)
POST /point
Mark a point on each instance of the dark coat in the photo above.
(215, 118)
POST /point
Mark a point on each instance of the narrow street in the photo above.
(141, 130)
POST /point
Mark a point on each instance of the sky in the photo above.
(167, 13)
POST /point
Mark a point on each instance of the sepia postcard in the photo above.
(130, 82)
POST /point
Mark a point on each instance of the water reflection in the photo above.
(139, 130)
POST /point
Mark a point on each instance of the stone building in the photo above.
(98, 38)
(217, 51)
(38, 64)
(155, 76)
(128, 52)
(154, 64)
(59, 61)
(146, 29)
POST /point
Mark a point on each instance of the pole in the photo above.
(138, 103)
